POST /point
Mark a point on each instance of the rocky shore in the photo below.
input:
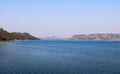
(97, 36)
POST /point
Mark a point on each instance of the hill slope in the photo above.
(96, 37)
(7, 36)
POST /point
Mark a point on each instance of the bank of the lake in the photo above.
(3, 42)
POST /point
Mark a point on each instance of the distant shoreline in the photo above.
(3, 42)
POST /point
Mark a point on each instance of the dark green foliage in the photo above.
(6, 36)
(23, 36)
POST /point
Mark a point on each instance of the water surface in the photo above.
(60, 57)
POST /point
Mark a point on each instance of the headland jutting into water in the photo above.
(6, 36)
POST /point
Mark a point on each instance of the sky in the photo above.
(61, 18)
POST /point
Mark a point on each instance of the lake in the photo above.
(60, 57)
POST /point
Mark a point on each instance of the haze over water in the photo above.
(60, 57)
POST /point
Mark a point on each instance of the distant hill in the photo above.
(7, 36)
(52, 38)
(96, 37)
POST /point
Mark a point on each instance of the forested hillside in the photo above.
(7, 36)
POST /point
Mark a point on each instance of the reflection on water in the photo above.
(60, 57)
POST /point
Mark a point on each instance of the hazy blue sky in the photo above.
(60, 17)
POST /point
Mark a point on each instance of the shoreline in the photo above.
(3, 42)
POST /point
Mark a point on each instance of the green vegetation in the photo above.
(7, 36)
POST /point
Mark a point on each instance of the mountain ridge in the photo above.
(96, 36)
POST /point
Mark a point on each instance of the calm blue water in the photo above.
(60, 57)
